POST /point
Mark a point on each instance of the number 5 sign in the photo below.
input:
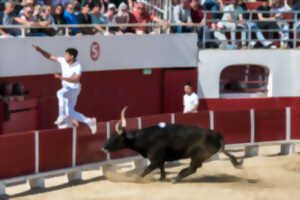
(95, 51)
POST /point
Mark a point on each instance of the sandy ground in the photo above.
(268, 176)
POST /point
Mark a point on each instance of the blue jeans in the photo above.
(203, 32)
(259, 35)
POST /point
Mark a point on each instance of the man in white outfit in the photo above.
(68, 94)
(190, 99)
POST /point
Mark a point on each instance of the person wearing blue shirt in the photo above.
(70, 17)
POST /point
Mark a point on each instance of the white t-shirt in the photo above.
(68, 71)
(189, 102)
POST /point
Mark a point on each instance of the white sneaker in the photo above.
(93, 125)
(252, 44)
(267, 43)
(59, 120)
(66, 123)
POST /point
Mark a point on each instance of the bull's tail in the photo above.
(237, 164)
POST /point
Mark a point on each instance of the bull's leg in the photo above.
(195, 163)
(149, 169)
(162, 172)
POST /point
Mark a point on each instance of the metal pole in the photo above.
(295, 30)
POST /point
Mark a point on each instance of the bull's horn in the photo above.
(123, 119)
(117, 128)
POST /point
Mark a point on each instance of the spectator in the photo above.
(28, 19)
(37, 11)
(109, 17)
(123, 17)
(279, 8)
(296, 8)
(197, 17)
(190, 99)
(96, 16)
(85, 18)
(182, 16)
(266, 21)
(7, 18)
(213, 5)
(141, 16)
(46, 16)
(249, 25)
(71, 18)
(58, 16)
(230, 19)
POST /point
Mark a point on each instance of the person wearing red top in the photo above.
(197, 17)
(141, 16)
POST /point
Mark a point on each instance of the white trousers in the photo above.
(67, 99)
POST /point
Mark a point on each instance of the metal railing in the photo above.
(247, 28)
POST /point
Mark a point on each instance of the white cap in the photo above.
(111, 5)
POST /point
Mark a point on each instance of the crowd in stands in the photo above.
(39, 14)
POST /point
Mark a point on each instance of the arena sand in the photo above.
(266, 177)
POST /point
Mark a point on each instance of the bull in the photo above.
(169, 142)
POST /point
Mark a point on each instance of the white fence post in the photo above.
(107, 137)
(211, 120)
(172, 118)
(289, 147)
(36, 182)
(73, 176)
(252, 150)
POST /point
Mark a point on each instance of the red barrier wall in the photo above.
(270, 125)
(155, 119)
(17, 155)
(199, 119)
(295, 134)
(132, 124)
(89, 146)
(55, 149)
(234, 126)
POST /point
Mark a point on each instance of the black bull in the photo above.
(168, 142)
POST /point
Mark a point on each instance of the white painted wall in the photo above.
(284, 69)
(17, 57)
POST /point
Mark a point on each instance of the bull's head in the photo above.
(118, 139)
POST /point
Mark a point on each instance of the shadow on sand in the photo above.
(221, 178)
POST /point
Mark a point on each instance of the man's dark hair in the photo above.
(188, 84)
(72, 51)
(86, 4)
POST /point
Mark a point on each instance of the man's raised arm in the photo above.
(45, 53)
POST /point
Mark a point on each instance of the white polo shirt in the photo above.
(68, 71)
(189, 102)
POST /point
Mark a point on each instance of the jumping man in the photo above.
(67, 95)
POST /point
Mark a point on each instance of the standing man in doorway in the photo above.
(68, 94)
(190, 99)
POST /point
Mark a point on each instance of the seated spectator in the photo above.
(230, 20)
(182, 16)
(141, 16)
(266, 21)
(279, 7)
(7, 18)
(71, 18)
(197, 17)
(123, 17)
(97, 17)
(213, 5)
(46, 16)
(296, 8)
(28, 19)
(58, 16)
(85, 18)
(109, 17)
(60, 2)
(250, 25)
